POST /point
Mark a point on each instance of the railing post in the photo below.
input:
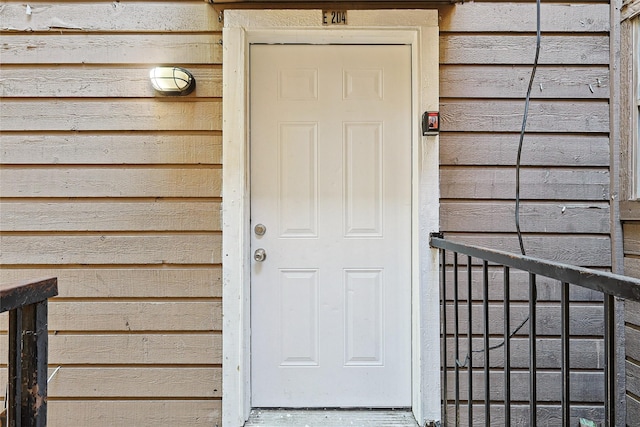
(609, 361)
(487, 382)
(28, 377)
(14, 411)
(470, 338)
(456, 337)
(507, 349)
(443, 280)
(28, 348)
(533, 395)
(566, 362)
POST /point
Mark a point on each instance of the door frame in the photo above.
(417, 28)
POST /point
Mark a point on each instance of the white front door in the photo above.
(330, 139)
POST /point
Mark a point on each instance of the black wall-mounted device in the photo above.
(430, 123)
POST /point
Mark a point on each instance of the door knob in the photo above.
(260, 255)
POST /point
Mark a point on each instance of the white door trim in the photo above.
(418, 28)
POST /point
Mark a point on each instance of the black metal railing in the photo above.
(561, 322)
(27, 304)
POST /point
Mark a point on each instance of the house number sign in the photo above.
(334, 17)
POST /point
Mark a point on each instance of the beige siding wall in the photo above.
(116, 191)
(485, 65)
(565, 174)
(630, 211)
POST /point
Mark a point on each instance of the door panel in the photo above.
(298, 179)
(364, 317)
(363, 179)
(299, 317)
(331, 183)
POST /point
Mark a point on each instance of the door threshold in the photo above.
(331, 418)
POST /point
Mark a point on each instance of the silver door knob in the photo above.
(260, 255)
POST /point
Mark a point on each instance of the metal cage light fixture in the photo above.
(172, 80)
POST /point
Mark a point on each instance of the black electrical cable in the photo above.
(494, 347)
(518, 162)
(524, 127)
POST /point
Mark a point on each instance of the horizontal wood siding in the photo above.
(565, 175)
(129, 114)
(630, 210)
(128, 81)
(485, 69)
(631, 232)
(115, 190)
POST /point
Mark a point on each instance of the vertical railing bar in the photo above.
(533, 395)
(609, 361)
(507, 349)
(470, 336)
(456, 337)
(566, 364)
(14, 414)
(485, 305)
(39, 410)
(443, 281)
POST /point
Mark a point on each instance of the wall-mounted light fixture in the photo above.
(172, 80)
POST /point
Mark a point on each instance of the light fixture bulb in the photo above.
(172, 80)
